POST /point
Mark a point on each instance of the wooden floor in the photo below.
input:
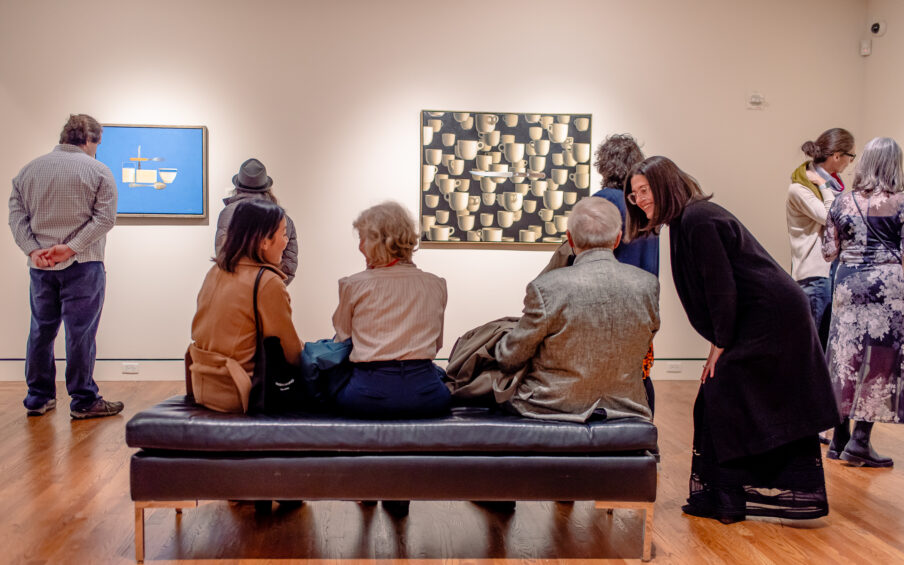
(64, 498)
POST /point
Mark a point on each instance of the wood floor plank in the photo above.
(64, 498)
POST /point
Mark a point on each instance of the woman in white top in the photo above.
(814, 185)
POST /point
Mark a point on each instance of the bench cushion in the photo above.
(179, 424)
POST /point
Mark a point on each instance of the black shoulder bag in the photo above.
(274, 386)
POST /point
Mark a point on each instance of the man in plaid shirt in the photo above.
(61, 207)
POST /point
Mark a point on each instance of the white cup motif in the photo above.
(466, 223)
(460, 116)
(551, 228)
(456, 166)
(437, 178)
(491, 234)
(448, 139)
(486, 220)
(581, 124)
(538, 187)
(447, 186)
(431, 200)
(487, 184)
(428, 173)
(529, 206)
(442, 216)
(427, 222)
(522, 188)
(558, 159)
(540, 147)
(436, 124)
(537, 163)
(511, 120)
(505, 218)
(561, 221)
(467, 148)
(559, 176)
(527, 236)
(531, 118)
(427, 135)
(433, 156)
(537, 229)
(512, 201)
(473, 203)
(557, 132)
(546, 214)
(545, 121)
(440, 233)
(553, 199)
(571, 197)
(535, 133)
(488, 198)
(467, 123)
(513, 152)
(458, 201)
(484, 162)
(490, 139)
(581, 152)
(473, 236)
(486, 122)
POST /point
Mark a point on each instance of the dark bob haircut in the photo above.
(614, 159)
(252, 223)
(672, 190)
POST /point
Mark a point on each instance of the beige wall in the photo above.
(327, 94)
(883, 109)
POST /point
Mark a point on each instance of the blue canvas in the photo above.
(158, 170)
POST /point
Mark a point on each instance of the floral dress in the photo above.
(866, 337)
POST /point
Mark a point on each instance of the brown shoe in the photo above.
(99, 409)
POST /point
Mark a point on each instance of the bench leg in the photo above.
(139, 533)
(140, 505)
(646, 510)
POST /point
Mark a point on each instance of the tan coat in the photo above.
(224, 336)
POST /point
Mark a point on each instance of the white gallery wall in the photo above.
(327, 94)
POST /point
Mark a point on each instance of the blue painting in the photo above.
(159, 170)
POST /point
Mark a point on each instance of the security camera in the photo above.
(877, 28)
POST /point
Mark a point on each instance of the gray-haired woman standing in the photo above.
(866, 338)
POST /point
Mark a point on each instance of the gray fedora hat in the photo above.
(252, 176)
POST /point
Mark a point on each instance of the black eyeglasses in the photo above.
(851, 155)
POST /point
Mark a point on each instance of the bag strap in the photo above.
(257, 318)
(884, 243)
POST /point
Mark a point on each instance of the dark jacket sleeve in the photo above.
(710, 242)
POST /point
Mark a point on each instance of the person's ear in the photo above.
(617, 240)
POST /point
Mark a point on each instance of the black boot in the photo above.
(840, 438)
(859, 452)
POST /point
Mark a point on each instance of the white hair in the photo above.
(594, 222)
(879, 167)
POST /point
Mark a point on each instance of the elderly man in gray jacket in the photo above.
(585, 329)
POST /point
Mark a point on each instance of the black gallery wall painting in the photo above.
(501, 179)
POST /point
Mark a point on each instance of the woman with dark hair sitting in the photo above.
(223, 330)
(765, 392)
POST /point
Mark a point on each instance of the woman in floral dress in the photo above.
(864, 230)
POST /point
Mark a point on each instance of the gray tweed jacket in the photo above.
(585, 331)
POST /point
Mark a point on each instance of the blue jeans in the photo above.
(75, 297)
(395, 389)
(819, 293)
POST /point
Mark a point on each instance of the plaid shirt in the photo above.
(66, 197)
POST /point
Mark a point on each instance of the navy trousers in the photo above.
(395, 389)
(75, 297)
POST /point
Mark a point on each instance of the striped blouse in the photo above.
(391, 313)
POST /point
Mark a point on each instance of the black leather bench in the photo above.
(189, 453)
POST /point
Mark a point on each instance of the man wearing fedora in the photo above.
(61, 207)
(252, 182)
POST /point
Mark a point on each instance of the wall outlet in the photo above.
(130, 368)
(672, 367)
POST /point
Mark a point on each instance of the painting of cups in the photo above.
(501, 179)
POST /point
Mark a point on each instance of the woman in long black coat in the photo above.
(765, 391)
